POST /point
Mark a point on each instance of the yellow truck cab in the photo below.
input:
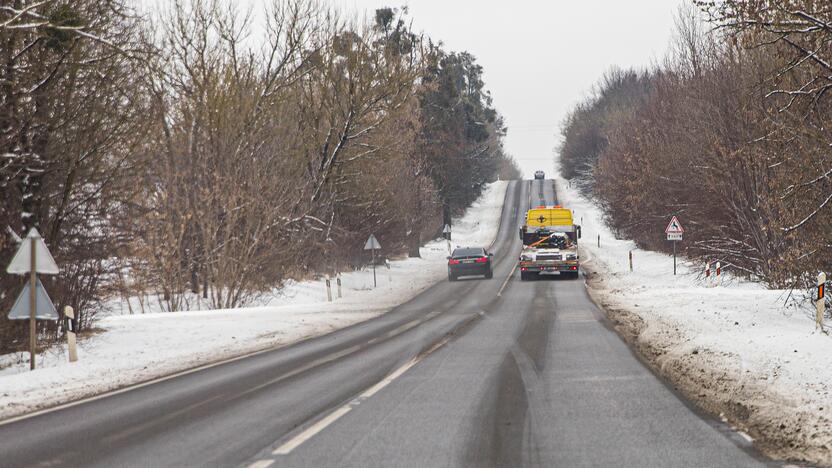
(550, 243)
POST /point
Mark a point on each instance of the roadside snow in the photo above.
(736, 349)
(137, 348)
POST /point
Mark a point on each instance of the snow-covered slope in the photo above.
(736, 348)
(136, 348)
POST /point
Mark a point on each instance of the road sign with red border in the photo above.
(674, 227)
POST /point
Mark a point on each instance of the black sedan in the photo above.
(469, 261)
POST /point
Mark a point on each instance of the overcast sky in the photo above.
(540, 57)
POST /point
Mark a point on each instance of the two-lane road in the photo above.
(456, 377)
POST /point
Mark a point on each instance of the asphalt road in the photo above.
(456, 377)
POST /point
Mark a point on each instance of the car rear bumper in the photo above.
(469, 269)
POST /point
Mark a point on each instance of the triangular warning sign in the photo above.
(674, 227)
(372, 243)
(22, 261)
(44, 310)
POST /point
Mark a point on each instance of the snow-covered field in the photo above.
(736, 348)
(137, 348)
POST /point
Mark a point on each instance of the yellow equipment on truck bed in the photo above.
(548, 219)
(549, 216)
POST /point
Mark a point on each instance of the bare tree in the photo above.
(71, 120)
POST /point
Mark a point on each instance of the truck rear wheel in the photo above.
(525, 276)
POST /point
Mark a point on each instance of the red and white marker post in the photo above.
(707, 273)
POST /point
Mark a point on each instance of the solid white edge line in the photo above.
(155, 380)
(318, 362)
(137, 386)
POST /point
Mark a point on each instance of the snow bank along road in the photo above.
(456, 376)
(735, 349)
(142, 347)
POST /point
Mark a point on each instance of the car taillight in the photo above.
(481, 260)
(453, 262)
(574, 268)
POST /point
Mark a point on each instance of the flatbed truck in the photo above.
(550, 243)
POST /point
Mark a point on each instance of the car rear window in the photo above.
(468, 252)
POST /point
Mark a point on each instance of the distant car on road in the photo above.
(539, 175)
(469, 261)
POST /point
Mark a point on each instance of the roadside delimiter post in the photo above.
(707, 273)
(69, 313)
(328, 290)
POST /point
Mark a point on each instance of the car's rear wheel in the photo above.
(490, 274)
(451, 277)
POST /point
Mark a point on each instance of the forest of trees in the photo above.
(208, 151)
(732, 133)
